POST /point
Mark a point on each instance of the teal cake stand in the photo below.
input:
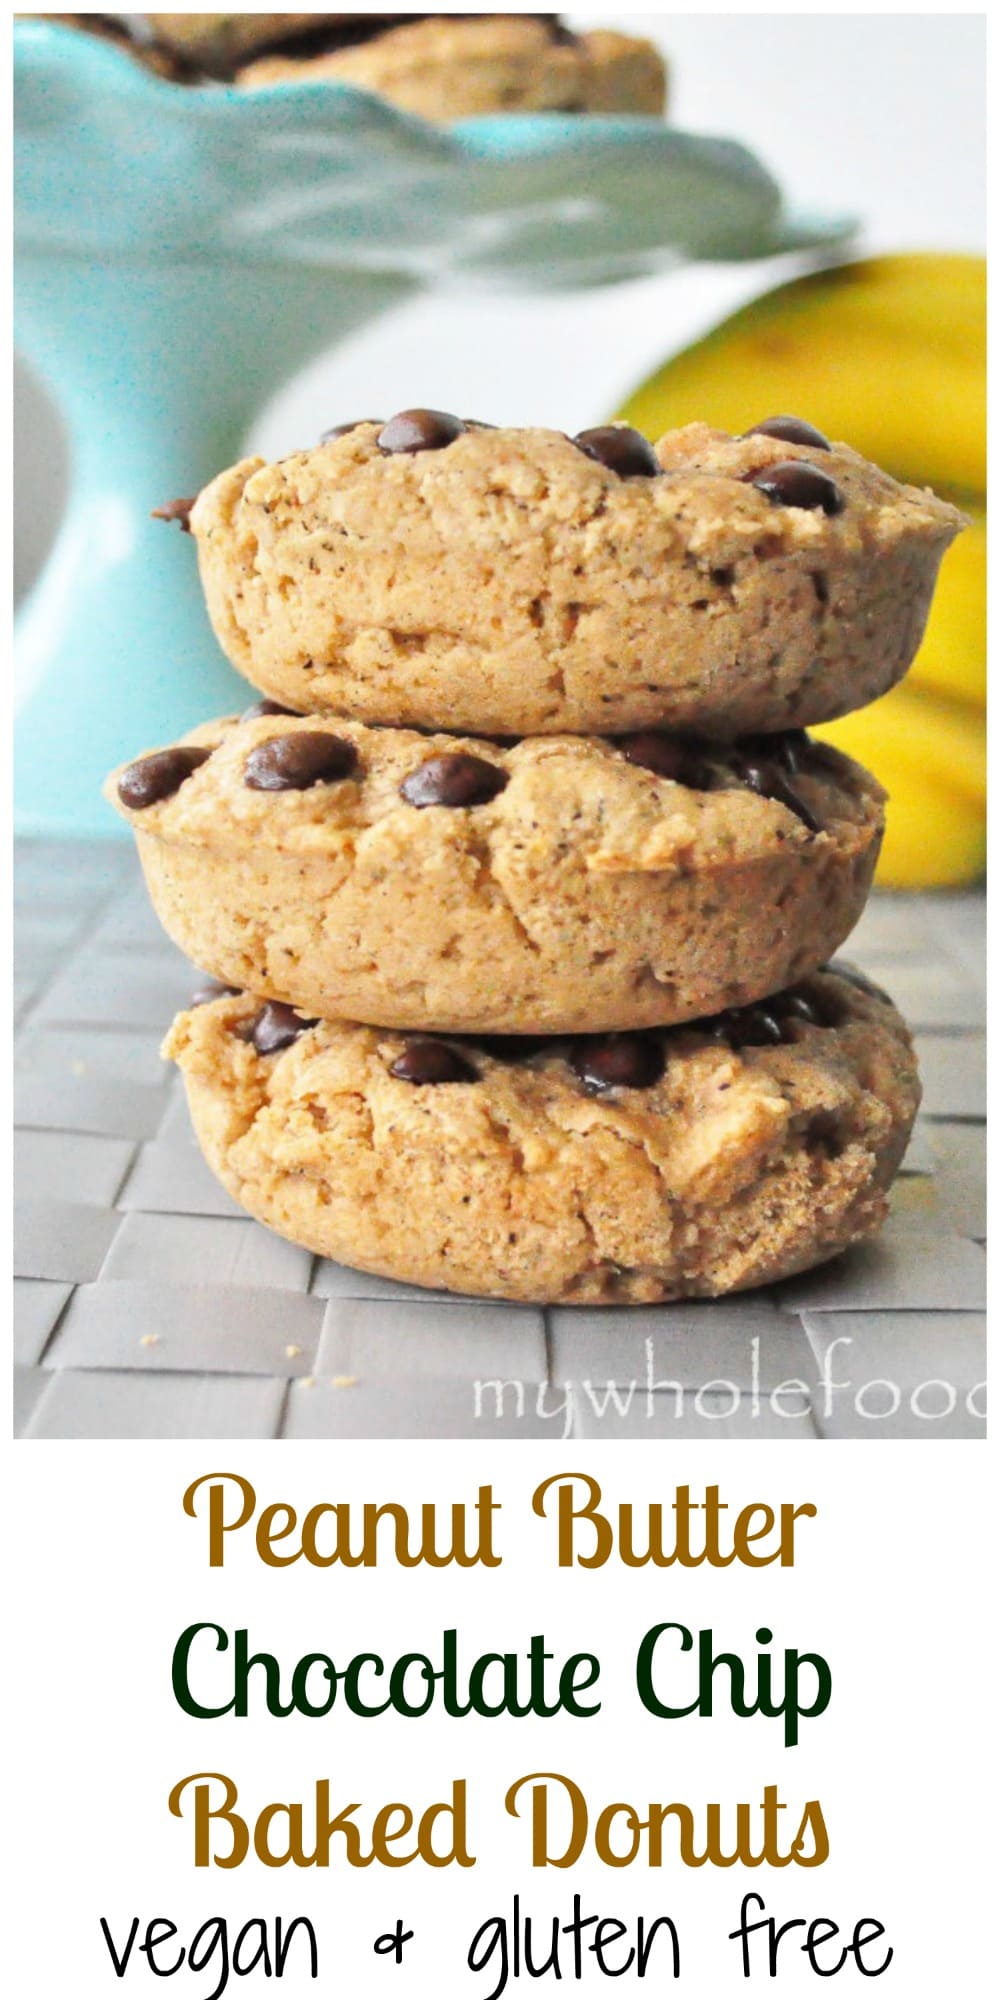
(181, 252)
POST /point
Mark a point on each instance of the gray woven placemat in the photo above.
(147, 1305)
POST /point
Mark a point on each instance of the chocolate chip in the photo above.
(513, 1048)
(795, 483)
(820, 1009)
(274, 1028)
(158, 777)
(760, 763)
(799, 1007)
(852, 977)
(762, 776)
(176, 510)
(295, 763)
(454, 779)
(427, 1061)
(654, 750)
(762, 1027)
(753, 1027)
(213, 989)
(786, 795)
(791, 750)
(259, 708)
(419, 430)
(791, 430)
(342, 430)
(678, 757)
(766, 1022)
(621, 449)
(618, 1062)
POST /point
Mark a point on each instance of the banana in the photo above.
(887, 354)
(952, 657)
(930, 754)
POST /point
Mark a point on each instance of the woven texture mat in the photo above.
(147, 1305)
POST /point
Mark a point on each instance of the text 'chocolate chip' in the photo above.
(158, 777)
(794, 483)
(791, 430)
(419, 430)
(618, 1062)
(427, 1061)
(454, 779)
(621, 450)
(294, 763)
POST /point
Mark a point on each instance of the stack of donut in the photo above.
(522, 881)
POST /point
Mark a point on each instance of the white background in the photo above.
(890, 1583)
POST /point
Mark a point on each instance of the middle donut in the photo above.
(552, 885)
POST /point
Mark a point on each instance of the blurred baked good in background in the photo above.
(437, 66)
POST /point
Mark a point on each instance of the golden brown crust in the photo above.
(589, 893)
(511, 584)
(444, 67)
(737, 1168)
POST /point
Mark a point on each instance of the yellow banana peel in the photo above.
(888, 354)
(952, 658)
(930, 754)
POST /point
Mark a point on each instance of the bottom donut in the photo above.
(629, 1168)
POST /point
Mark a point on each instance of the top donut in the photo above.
(435, 573)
